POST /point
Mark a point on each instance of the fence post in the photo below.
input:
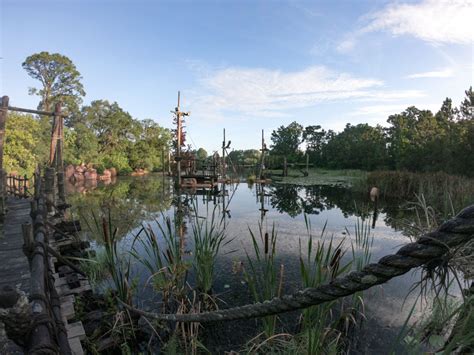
(3, 120)
(49, 188)
(58, 117)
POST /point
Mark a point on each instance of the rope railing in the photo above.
(427, 250)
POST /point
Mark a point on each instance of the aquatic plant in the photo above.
(442, 191)
(208, 236)
(163, 257)
(262, 275)
(116, 264)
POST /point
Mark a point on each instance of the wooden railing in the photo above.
(18, 186)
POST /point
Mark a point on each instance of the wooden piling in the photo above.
(3, 120)
(49, 188)
(28, 238)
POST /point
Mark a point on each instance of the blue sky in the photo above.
(248, 65)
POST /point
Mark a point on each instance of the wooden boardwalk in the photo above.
(14, 267)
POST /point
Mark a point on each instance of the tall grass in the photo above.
(116, 265)
(209, 237)
(442, 191)
(319, 265)
(262, 276)
(163, 258)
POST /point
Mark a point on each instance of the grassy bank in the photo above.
(317, 176)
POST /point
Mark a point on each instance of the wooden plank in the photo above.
(75, 330)
(67, 311)
(76, 346)
(15, 267)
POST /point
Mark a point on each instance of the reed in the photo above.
(320, 263)
(116, 265)
(209, 237)
(163, 257)
(263, 276)
(441, 190)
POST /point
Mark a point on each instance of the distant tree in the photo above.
(286, 140)
(357, 147)
(314, 137)
(467, 105)
(201, 154)
(61, 81)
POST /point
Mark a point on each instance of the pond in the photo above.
(138, 201)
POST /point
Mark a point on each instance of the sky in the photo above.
(248, 65)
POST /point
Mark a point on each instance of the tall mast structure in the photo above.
(179, 136)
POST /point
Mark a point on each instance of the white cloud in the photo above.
(254, 92)
(434, 21)
(444, 73)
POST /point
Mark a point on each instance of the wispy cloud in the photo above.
(444, 73)
(256, 92)
(435, 21)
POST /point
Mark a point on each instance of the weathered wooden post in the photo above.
(49, 188)
(28, 238)
(56, 150)
(179, 138)
(307, 164)
(3, 121)
(285, 167)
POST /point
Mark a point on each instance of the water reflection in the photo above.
(132, 200)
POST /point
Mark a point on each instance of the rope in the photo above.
(428, 249)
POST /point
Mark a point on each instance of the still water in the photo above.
(134, 202)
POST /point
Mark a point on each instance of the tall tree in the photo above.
(60, 80)
(287, 140)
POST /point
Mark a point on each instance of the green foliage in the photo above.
(60, 79)
(357, 147)
(262, 276)
(21, 154)
(101, 133)
(415, 140)
(208, 236)
(244, 157)
(286, 141)
(201, 154)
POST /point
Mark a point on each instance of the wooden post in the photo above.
(223, 156)
(3, 121)
(262, 158)
(59, 119)
(25, 186)
(307, 164)
(169, 163)
(285, 167)
(49, 188)
(179, 130)
(28, 238)
(178, 140)
(40, 335)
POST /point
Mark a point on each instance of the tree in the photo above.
(467, 105)
(61, 82)
(21, 143)
(201, 154)
(314, 137)
(286, 140)
(357, 147)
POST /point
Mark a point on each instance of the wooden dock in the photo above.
(14, 268)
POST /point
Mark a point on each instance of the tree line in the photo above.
(105, 135)
(101, 134)
(414, 140)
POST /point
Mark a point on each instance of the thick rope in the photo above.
(428, 249)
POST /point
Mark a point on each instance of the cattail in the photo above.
(106, 231)
(266, 243)
(280, 284)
